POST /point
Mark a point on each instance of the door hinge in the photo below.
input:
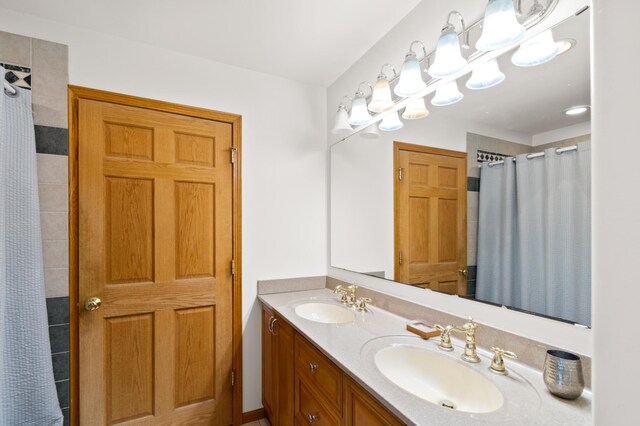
(233, 155)
(400, 171)
(233, 378)
(400, 257)
(233, 267)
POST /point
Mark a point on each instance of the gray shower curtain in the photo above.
(534, 239)
(27, 389)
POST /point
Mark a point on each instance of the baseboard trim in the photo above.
(252, 416)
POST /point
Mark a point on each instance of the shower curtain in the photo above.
(534, 239)
(27, 389)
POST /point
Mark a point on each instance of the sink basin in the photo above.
(438, 379)
(325, 313)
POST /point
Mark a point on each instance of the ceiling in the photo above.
(533, 100)
(311, 41)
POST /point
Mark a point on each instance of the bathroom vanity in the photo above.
(327, 364)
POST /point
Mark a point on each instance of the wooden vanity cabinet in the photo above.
(362, 409)
(277, 368)
(302, 386)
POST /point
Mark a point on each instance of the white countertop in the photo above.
(352, 346)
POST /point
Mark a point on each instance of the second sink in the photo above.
(324, 313)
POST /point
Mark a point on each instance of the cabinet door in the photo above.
(269, 390)
(283, 378)
(361, 409)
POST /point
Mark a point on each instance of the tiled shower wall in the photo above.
(477, 143)
(49, 67)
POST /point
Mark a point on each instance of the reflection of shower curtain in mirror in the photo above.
(534, 239)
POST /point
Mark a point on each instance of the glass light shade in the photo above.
(410, 81)
(381, 98)
(415, 109)
(370, 132)
(447, 95)
(359, 114)
(341, 125)
(501, 27)
(391, 122)
(485, 76)
(536, 51)
(448, 60)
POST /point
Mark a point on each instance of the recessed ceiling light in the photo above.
(565, 44)
(577, 110)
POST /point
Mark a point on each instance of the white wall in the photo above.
(424, 24)
(562, 133)
(616, 209)
(284, 150)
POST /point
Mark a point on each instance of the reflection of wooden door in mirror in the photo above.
(430, 217)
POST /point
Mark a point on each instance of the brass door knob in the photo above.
(463, 271)
(92, 303)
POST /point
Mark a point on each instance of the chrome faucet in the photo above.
(469, 329)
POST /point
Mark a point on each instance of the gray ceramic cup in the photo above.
(563, 374)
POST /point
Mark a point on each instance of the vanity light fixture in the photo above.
(485, 76)
(449, 59)
(565, 44)
(447, 94)
(341, 124)
(370, 132)
(391, 122)
(381, 98)
(577, 110)
(411, 82)
(359, 114)
(501, 27)
(415, 109)
(536, 51)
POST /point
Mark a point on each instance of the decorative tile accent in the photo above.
(473, 184)
(486, 156)
(52, 140)
(17, 75)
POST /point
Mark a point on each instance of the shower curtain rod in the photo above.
(9, 88)
(535, 155)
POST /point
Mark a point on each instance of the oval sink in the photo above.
(324, 313)
(438, 379)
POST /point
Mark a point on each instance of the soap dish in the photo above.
(422, 329)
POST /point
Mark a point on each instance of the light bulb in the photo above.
(410, 82)
(341, 125)
(485, 76)
(415, 109)
(447, 95)
(501, 27)
(381, 98)
(448, 59)
(536, 51)
(391, 122)
(359, 114)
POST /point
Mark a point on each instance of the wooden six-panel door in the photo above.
(155, 246)
(430, 218)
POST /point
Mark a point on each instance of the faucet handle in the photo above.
(445, 337)
(497, 363)
(362, 303)
(343, 292)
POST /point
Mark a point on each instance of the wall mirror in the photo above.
(487, 199)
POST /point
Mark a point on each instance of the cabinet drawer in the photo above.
(319, 372)
(310, 411)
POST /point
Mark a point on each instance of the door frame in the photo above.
(75, 93)
(404, 146)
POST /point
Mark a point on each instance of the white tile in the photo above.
(55, 253)
(54, 225)
(54, 197)
(56, 281)
(52, 168)
(472, 238)
(472, 205)
(15, 49)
